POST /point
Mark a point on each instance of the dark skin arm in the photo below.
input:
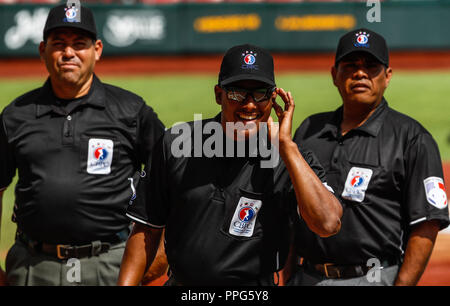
(159, 265)
(418, 252)
(140, 252)
(318, 207)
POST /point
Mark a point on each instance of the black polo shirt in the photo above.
(226, 219)
(74, 159)
(386, 173)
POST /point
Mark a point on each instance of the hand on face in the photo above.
(285, 116)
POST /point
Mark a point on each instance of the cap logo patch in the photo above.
(72, 11)
(435, 192)
(362, 39)
(249, 60)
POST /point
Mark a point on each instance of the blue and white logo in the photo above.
(356, 184)
(244, 217)
(362, 39)
(249, 60)
(100, 154)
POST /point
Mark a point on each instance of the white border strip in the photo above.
(418, 221)
(143, 222)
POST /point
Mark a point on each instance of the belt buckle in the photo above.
(58, 250)
(325, 266)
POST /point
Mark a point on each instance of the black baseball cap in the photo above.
(246, 62)
(70, 16)
(363, 40)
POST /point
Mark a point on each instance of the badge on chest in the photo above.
(244, 218)
(100, 156)
(356, 184)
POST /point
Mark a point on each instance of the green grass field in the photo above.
(421, 95)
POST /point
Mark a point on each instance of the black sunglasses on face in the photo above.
(240, 95)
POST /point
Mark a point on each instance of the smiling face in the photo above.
(361, 78)
(70, 56)
(249, 112)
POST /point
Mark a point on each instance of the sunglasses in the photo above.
(259, 95)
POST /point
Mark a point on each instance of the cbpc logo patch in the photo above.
(356, 184)
(100, 155)
(244, 218)
(362, 39)
(249, 60)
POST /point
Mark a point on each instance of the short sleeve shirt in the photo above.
(388, 176)
(74, 159)
(226, 219)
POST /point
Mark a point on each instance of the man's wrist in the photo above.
(286, 145)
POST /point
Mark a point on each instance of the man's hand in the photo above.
(284, 127)
(140, 251)
(418, 252)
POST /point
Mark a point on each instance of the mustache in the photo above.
(69, 62)
(360, 83)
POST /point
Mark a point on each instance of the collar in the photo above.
(372, 126)
(46, 98)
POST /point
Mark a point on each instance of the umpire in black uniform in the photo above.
(77, 144)
(226, 217)
(386, 170)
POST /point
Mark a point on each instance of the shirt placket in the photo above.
(68, 125)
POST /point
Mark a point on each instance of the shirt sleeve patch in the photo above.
(435, 192)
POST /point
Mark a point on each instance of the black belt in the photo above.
(331, 270)
(65, 251)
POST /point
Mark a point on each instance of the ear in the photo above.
(41, 50)
(98, 46)
(334, 74)
(218, 93)
(388, 75)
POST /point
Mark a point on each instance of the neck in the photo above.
(356, 115)
(65, 90)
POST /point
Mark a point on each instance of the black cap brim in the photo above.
(337, 60)
(93, 35)
(244, 77)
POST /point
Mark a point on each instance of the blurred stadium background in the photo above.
(169, 52)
